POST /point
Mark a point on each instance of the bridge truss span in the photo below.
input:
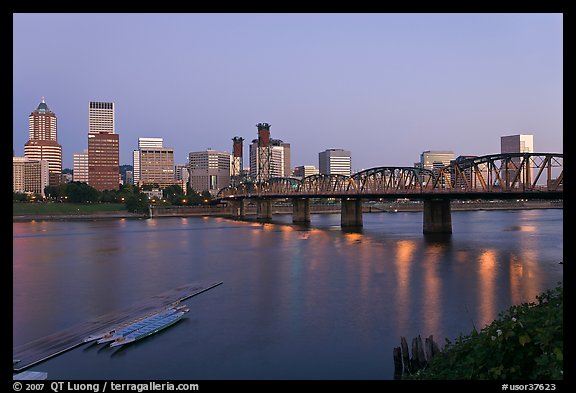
(508, 172)
(495, 175)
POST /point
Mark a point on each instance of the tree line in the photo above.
(132, 196)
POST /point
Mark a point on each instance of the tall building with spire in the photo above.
(103, 147)
(43, 141)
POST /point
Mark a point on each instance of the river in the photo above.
(298, 303)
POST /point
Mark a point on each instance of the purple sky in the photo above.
(384, 86)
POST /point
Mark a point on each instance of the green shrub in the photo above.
(524, 342)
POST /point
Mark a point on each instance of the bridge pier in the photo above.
(238, 209)
(351, 213)
(301, 210)
(263, 209)
(437, 216)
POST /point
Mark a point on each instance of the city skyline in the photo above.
(389, 85)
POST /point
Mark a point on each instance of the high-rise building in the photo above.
(43, 141)
(335, 162)
(278, 159)
(103, 147)
(209, 170)
(81, 166)
(153, 163)
(101, 117)
(29, 175)
(520, 143)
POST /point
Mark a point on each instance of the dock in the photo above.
(47, 347)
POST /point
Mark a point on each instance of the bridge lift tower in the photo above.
(264, 153)
(237, 161)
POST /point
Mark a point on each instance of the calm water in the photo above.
(296, 303)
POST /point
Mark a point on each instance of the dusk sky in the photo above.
(384, 86)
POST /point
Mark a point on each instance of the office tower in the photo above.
(43, 141)
(143, 143)
(520, 143)
(305, 170)
(435, 159)
(209, 170)
(29, 175)
(81, 166)
(101, 117)
(103, 147)
(155, 163)
(335, 162)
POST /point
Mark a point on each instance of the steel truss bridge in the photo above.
(495, 176)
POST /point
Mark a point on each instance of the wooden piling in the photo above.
(422, 355)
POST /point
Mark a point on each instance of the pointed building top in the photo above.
(42, 107)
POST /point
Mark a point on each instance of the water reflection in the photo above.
(487, 265)
(404, 258)
(297, 302)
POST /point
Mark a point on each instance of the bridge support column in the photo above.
(437, 216)
(351, 213)
(301, 210)
(264, 209)
(238, 209)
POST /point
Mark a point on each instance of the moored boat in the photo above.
(125, 328)
(150, 328)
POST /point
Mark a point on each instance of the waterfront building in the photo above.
(519, 143)
(305, 170)
(156, 163)
(209, 170)
(103, 147)
(335, 162)
(29, 175)
(279, 159)
(81, 166)
(42, 141)
(434, 160)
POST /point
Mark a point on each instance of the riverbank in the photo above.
(223, 211)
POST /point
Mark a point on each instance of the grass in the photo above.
(65, 208)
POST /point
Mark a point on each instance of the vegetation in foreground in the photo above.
(524, 342)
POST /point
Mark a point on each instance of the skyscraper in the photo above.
(278, 157)
(43, 141)
(335, 162)
(103, 147)
(209, 170)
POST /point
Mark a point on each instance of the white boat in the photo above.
(118, 333)
(112, 334)
(150, 328)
